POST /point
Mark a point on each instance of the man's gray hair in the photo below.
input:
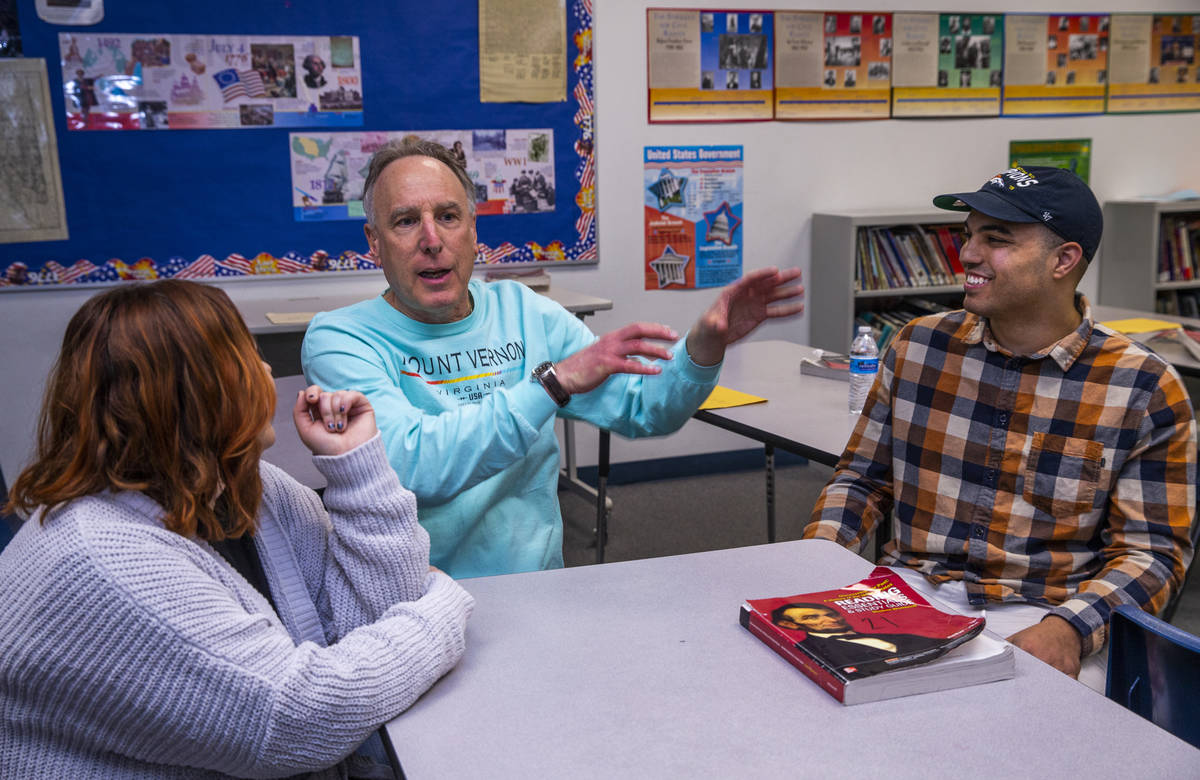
(412, 146)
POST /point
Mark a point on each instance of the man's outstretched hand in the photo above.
(740, 308)
(615, 353)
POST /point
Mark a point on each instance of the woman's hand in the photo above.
(333, 423)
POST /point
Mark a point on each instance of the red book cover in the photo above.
(874, 626)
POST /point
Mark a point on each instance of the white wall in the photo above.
(792, 169)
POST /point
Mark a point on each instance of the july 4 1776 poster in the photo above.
(693, 208)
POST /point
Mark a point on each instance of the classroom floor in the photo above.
(717, 511)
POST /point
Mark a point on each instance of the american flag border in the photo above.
(205, 266)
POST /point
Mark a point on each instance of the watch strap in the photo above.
(545, 376)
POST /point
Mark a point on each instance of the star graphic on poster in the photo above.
(668, 189)
(669, 266)
(722, 223)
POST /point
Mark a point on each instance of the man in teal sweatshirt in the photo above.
(466, 378)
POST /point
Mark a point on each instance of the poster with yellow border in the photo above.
(1153, 63)
(946, 64)
(833, 65)
(710, 66)
(1055, 65)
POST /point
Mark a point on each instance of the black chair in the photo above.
(1154, 671)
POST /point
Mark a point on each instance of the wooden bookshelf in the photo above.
(833, 300)
(1129, 254)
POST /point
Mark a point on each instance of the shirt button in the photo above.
(978, 531)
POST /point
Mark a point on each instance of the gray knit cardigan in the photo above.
(127, 650)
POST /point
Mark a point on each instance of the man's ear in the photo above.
(370, 234)
(1067, 258)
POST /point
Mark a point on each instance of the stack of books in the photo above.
(878, 639)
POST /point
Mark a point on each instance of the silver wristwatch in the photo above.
(545, 376)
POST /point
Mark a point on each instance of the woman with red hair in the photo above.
(176, 607)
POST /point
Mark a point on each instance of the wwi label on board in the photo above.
(693, 213)
(513, 170)
(158, 82)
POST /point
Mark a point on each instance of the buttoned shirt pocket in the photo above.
(1062, 474)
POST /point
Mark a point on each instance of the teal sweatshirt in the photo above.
(466, 429)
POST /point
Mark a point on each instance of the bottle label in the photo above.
(864, 365)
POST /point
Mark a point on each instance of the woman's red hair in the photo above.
(159, 389)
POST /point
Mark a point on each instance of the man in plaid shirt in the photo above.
(1032, 464)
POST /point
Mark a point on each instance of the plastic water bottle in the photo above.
(864, 365)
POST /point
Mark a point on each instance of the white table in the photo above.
(1175, 354)
(804, 415)
(641, 669)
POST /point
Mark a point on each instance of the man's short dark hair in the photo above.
(412, 146)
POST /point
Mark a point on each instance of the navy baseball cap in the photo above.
(1054, 197)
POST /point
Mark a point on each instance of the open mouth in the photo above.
(975, 281)
(435, 274)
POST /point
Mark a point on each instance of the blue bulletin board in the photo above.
(217, 202)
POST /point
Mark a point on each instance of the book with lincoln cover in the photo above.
(877, 639)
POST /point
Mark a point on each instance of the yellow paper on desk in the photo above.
(291, 317)
(1135, 325)
(723, 398)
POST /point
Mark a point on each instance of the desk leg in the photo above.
(568, 476)
(602, 496)
(770, 456)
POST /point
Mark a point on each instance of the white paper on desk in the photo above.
(291, 317)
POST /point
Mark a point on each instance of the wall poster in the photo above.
(1055, 64)
(712, 66)
(693, 215)
(1153, 63)
(513, 170)
(117, 81)
(833, 65)
(947, 64)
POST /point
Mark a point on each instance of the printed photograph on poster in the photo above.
(513, 170)
(693, 213)
(171, 82)
(710, 65)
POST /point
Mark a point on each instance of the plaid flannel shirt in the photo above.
(1066, 478)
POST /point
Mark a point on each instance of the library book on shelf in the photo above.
(878, 639)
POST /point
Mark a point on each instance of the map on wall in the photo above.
(31, 199)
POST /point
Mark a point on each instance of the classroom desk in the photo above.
(280, 344)
(1173, 353)
(641, 669)
(804, 415)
